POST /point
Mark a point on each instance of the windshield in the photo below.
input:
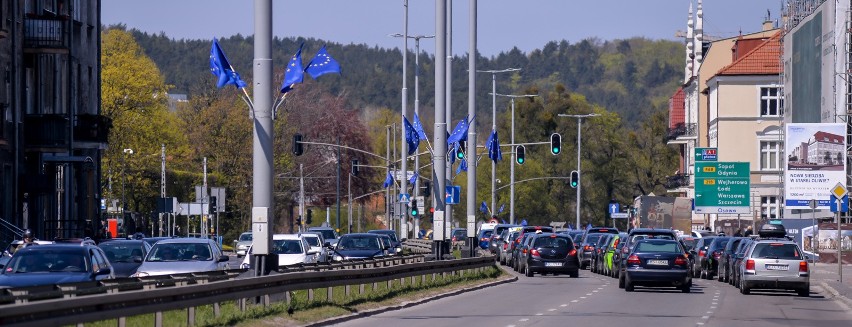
(122, 251)
(327, 234)
(48, 261)
(658, 247)
(776, 251)
(180, 252)
(245, 237)
(689, 243)
(287, 247)
(359, 243)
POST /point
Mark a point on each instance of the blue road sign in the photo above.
(451, 196)
(614, 208)
(405, 198)
(843, 204)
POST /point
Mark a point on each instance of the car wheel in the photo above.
(745, 290)
(574, 274)
(804, 292)
(527, 271)
(621, 281)
(719, 278)
(628, 286)
(685, 289)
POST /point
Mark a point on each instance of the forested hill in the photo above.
(630, 77)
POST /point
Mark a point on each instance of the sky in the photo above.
(502, 24)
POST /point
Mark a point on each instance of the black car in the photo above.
(125, 255)
(551, 253)
(496, 239)
(710, 260)
(736, 259)
(657, 262)
(396, 243)
(521, 246)
(699, 252)
(635, 235)
(586, 247)
(595, 265)
(358, 246)
(724, 272)
(52, 264)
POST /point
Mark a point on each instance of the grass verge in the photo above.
(301, 310)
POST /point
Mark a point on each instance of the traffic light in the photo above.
(427, 187)
(354, 167)
(461, 150)
(414, 207)
(575, 178)
(520, 152)
(298, 148)
(214, 204)
(555, 143)
(310, 216)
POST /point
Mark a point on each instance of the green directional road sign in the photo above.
(722, 187)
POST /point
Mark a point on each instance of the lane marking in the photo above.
(524, 319)
(710, 312)
(539, 314)
(699, 323)
(551, 309)
(573, 301)
(705, 317)
(583, 297)
(564, 305)
(713, 307)
(588, 293)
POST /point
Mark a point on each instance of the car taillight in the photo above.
(573, 252)
(717, 254)
(505, 246)
(633, 260)
(587, 248)
(524, 251)
(803, 266)
(750, 264)
(616, 243)
(701, 253)
(680, 261)
(484, 239)
(535, 253)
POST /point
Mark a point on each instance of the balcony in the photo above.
(677, 181)
(681, 130)
(92, 128)
(46, 132)
(46, 32)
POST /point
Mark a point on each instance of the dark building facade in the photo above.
(52, 133)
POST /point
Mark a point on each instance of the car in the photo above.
(318, 244)
(635, 235)
(657, 262)
(699, 253)
(6, 255)
(387, 244)
(701, 233)
(710, 261)
(182, 255)
(774, 264)
(125, 255)
(496, 239)
(50, 264)
(724, 271)
(596, 264)
(520, 251)
(458, 235)
(551, 253)
(328, 234)
(484, 237)
(611, 254)
(358, 246)
(586, 247)
(504, 252)
(396, 243)
(292, 249)
(243, 243)
(153, 240)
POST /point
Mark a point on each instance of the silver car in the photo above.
(182, 255)
(774, 264)
(317, 244)
(243, 244)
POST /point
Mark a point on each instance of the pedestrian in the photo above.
(28, 238)
(747, 232)
(738, 233)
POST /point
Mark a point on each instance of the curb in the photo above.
(373, 312)
(835, 294)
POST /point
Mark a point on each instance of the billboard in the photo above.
(662, 212)
(815, 162)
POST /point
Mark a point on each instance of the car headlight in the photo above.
(140, 274)
(337, 257)
(242, 246)
(245, 266)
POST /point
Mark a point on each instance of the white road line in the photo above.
(699, 323)
(574, 301)
(539, 314)
(524, 319)
(510, 326)
(551, 309)
(583, 297)
(564, 305)
(588, 293)
(705, 317)
(713, 307)
(710, 312)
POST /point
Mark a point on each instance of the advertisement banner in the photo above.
(815, 162)
(662, 212)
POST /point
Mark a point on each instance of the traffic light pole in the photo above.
(301, 197)
(579, 148)
(494, 128)
(512, 165)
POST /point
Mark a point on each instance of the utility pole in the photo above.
(301, 198)
(262, 154)
(403, 216)
(579, 160)
(471, 134)
(338, 182)
(162, 185)
(204, 195)
(448, 106)
(494, 128)
(514, 162)
(388, 189)
(439, 157)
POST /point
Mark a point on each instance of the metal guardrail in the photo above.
(418, 246)
(118, 305)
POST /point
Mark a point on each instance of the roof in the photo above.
(286, 237)
(185, 240)
(828, 137)
(764, 59)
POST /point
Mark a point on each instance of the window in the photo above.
(770, 155)
(768, 207)
(770, 101)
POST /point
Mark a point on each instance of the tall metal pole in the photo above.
(448, 106)
(512, 171)
(439, 157)
(388, 199)
(471, 133)
(403, 152)
(262, 205)
(162, 185)
(349, 202)
(301, 198)
(204, 220)
(338, 182)
(579, 173)
(494, 128)
(839, 245)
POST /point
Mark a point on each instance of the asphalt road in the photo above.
(594, 300)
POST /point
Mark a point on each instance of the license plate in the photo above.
(553, 264)
(777, 267)
(658, 262)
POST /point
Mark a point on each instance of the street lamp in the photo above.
(123, 183)
(512, 165)
(579, 146)
(494, 128)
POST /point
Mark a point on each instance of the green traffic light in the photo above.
(555, 150)
(460, 155)
(573, 184)
(520, 160)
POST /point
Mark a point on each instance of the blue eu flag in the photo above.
(493, 146)
(322, 64)
(413, 178)
(411, 137)
(460, 132)
(483, 207)
(462, 166)
(221, 68)
(418, 126)
(388, 181)
(294, 74)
